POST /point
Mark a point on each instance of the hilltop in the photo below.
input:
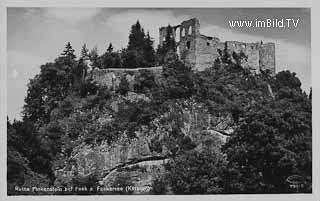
(170, 131)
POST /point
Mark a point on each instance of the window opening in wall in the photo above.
(183, 32)
(188, 45)
(177, 31)
(190, 30)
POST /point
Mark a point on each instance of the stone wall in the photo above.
(189, 31)
(111, 77)
(249, 49)
(267, 57)
(206, 51)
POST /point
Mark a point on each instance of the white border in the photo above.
(315, 69)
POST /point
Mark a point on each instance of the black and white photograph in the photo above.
(158, 101)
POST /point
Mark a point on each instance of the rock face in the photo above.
(107, 157)
(126, 165)
(139, 175)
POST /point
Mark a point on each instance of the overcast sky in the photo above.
(38, 35)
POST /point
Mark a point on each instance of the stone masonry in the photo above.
(201, 51)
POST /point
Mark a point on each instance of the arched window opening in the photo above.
(177, 33)
(183, 32)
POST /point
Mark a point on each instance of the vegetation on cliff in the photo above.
(269, 116)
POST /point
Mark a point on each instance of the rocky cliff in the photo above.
(139, 160)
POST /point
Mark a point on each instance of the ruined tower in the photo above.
(200, 51)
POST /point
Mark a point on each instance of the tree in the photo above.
(69, 51)
(196, 173)
(136, 37)
(110, 48)
(46, 89)
(123, 86)
(111, 59)
(34, 108)
(159, 186)
(287, 79)
(144, 81)
(19, 174)
(148, 50)
(131, 59)
(27, 162)
(84, 52)
(169, 43)
(139, 52)
(310, 94)
(178, 77)
(94, 58)
(272, 142)
(168, 46)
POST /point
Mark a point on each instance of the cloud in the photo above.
(71, 15)
(289, 56)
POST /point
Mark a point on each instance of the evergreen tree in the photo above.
(84, 52)
(69, 51)
(136, 37)
(139, 52)
(111, 59)
(117, 61)
(129, 59)
(110, 48)
(46, 89)
(310, 94)
(80, 70)
(169, 45)
(149, 53)
(94, 58)
(179, 77)
(68, 62)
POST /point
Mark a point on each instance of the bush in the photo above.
(197, 173)
(159, 186)
(123, 86)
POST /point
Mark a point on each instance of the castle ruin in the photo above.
(200, 51)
